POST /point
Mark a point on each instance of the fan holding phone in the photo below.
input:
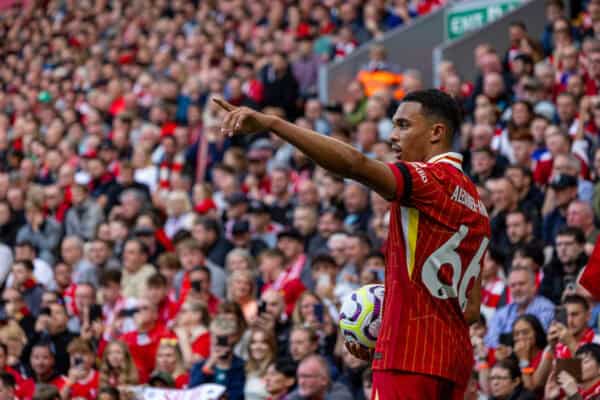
(578, 378)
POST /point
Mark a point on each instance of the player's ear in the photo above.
(439, 132)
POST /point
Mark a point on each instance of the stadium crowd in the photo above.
(140, 246)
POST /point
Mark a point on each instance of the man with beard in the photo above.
(521, 282)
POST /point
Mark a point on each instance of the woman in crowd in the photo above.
(117, 367)
(242, 290)
(239, 259)
(192, 333)
(311, 311)
(262, 349)
(170, 360)
(529, 343)
(179, 211)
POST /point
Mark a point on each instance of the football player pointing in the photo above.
(439, 231)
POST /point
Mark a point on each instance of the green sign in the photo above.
(469, 16)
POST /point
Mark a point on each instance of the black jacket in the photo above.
(555, 279)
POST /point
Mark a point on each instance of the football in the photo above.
(360, 315)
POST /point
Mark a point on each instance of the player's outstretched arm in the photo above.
(331, 154)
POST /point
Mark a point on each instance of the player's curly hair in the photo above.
(438, 105)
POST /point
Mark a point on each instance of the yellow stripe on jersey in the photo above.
(413, 229)
(410, 229)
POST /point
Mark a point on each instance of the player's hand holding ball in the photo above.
(360, 319)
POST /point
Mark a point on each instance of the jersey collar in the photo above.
(452, 158)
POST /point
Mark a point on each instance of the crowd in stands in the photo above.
(140, 246)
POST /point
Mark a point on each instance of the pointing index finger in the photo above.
(223, 104)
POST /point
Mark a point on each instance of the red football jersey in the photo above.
(438, 234)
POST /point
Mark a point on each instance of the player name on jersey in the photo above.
(461, 196)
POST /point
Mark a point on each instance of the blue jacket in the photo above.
(233, 379)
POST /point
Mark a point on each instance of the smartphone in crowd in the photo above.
(318, 310)
(222, 341)
(560, 315)
(95, 312)
(262, 307)
(506, 339)
(571, 365)
(128, 312)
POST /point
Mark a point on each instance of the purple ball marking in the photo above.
(358, 310)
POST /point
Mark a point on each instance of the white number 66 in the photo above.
(447, 254)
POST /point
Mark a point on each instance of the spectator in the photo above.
(276, 277)
(261, 354)
(242, 290)
(562, 271)
(314, 381)
(144, 341)
(52, 328)
(117, 367)
(580, 215)
(136, 270)
(280, 378)
(521, 282)
(190, 255)
(222, 366)
(567, 339)
(199, 292)
(529, 344)
(72, 253)
(26, 285)
(563, 381)
(82, 379)
(563, 190)
(42, 364)
(84, 215)
(506, 382)
(169, 361)
(42, 272)
(43, 233)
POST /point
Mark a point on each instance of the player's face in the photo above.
(411, 134)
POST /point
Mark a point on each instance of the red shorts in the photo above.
(398, 385)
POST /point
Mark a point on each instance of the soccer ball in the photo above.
(360, 315)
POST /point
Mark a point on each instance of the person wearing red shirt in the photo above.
(567, 339)
(271, 264)
(169, 360)
(157, 293)
(24, 388)
(43, 361)
(432, 284)
(143, 342)
(82, 380)
(200, 282)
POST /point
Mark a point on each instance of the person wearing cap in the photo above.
(261, 225)
(236, 208)
(43, 232)
(562, 190)
(242, 238)
(222, 366)
(85, 214)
